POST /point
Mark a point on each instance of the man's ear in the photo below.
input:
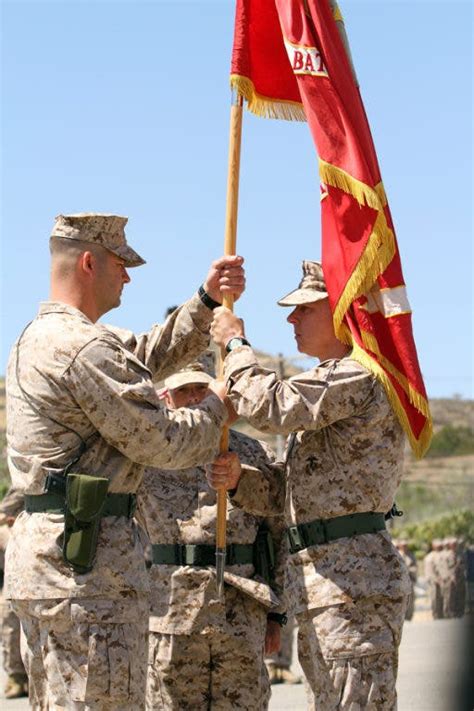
(166, 396)
(87, 263)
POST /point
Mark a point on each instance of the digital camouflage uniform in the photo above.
(16, 685)
(204, 653)
(453, 580)
(433, 569)
(86, 633)
(410, 561)
(284, 656)
(344, 455)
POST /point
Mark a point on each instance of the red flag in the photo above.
(291, 60)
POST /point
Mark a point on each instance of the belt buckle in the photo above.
(295, 539)
(55, 484)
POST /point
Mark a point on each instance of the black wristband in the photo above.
(206, 299)
(235, 342)
(281, 618)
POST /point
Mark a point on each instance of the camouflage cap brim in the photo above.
(187, 378)
(302, 296)
(130, 257)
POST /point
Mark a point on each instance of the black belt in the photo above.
(200, 554)
(323, 530)
(51, 502)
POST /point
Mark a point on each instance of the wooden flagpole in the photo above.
(230, 244)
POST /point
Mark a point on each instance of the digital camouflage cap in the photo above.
(97, 228)
(193, 374)
(312, 286)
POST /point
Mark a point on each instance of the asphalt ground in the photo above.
(433, 662)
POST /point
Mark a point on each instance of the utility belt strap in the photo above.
(52, 502)
(200, 554)
(321, 530)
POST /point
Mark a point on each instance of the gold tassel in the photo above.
(263, 106)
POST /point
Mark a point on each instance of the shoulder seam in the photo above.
(96, 338)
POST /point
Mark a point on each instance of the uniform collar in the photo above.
(57, 307)
(326, 362)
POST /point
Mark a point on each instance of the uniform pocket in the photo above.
(355, 629)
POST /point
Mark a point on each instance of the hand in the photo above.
(272, 637)
(224, 472)
(225, 325)
(226, 276)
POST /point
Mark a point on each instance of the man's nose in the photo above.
(125, 277)
(292, 316)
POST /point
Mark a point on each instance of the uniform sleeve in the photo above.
(141, 511)
(12, 503)
(115, 391)
(261, 489)
(166, 348)
(309, 401)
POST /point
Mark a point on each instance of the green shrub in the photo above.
(450, 441)
(457, 523)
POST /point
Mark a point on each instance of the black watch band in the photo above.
(281, 618)
(206, 299)
(235, 342)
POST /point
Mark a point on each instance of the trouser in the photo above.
(10, 635)
(436, 601)
(454, 599)
(83, 654)
(284, 657)
(222, 670)
(349, 654)
(410, 605)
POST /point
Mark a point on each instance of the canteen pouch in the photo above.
(85, 500)
(264, 555)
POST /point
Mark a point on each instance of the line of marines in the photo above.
(445, 573)
(94, 446)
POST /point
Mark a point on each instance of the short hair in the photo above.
(65, 252)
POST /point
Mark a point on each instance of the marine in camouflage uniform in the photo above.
(78, 389)
(410, 561)
(17, 681)
(433, 569)
(344, 456)
(279, 663)
(453, 579)
(203, 652)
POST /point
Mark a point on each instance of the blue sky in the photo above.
(121, 106)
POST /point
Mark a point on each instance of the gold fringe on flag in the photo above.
(380, 248)
(264, 106)
(420, 445)
(337, 14)
(417, 400)
(363, 193)
(377, 255)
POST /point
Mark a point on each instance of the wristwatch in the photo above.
(206, 299)
(235, 343)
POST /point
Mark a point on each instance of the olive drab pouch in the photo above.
(264, 555)
(85, 499)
